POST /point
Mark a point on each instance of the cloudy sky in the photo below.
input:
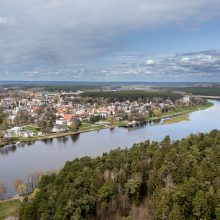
(114, 40)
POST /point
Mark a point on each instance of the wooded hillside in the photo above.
(166, 180)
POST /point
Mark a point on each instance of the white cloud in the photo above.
(6, 20)
(196, 66)
(57, 34)
(150, 62)
(60, 32)
(185, 59)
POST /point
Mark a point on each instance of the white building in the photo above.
(61, 122)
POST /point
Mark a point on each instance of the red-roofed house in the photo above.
(68, 117)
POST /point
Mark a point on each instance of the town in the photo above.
(26, 114)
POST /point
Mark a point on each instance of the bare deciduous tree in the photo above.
(33, 180)
(3, 191)
(17, 183)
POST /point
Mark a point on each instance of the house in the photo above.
(186, 99)
(68, 117)
(59, 128)
(61, 121)
(13, 132)
(28, 134)
(11, 119)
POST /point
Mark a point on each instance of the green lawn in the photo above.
(188, 109)
(177, 119)
(30, 128)
(120, 123)
(9, 208)
(86, 126)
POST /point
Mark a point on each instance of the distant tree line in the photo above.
(206, 91)
(70, 87)
(120, 96)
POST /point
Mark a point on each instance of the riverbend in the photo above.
(20, 160)
(184, 111)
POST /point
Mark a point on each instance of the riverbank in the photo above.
(53, 154)
(171, 117)
(176, 119)
(178, 116)
(9, 208)
(184, 110)
(92, 127)
(48, 136)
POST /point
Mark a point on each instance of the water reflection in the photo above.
(48, 141)
(63, 139)
(75, 137)
(156, 121)
(13, 147)
(29, 143)
(7, 149)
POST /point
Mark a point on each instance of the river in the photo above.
(21, 160)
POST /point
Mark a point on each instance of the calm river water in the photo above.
(21, 160)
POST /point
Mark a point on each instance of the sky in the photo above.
(114, 40)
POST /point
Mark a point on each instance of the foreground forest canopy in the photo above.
(166, 180)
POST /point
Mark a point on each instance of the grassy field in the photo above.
(30, 128)
(87, 127)
(9, 208)
(183, 113)
(177, 119)
(120, 123)
(188, 109)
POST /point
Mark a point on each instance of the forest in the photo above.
(200, 90)
(151, 180)
(120, 96)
